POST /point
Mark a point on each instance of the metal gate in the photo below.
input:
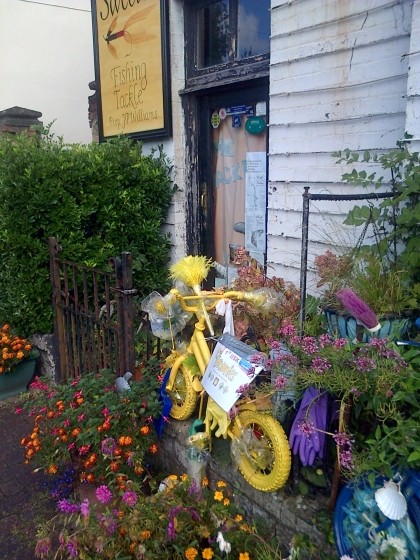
(93, 316)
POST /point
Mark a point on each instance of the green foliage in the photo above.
(397, 218)
(98, 200)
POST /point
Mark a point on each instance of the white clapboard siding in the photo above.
(338, 79)
(348, 32)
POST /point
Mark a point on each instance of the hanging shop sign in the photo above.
(131, 67)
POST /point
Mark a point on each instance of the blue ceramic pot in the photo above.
(16, 380)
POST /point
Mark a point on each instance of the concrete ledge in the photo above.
(282, 514)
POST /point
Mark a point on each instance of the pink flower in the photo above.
(306, 428)
(84, 508)
(18, 410)
(130, 498)
(104, 494)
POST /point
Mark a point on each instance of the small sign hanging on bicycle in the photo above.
(229, 369)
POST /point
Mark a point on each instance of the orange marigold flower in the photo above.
(144, 430)
(205, 481)
(226, 502)
(90, 478)
(221, 484)
(139, 470)
(218, 496)
(145, 535)
(207, 554)
(244, 556)
(190, 553)
(113, 466)
(52, 469)
(153, 448)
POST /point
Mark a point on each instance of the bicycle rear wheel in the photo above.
(262, 449)
(183, 395)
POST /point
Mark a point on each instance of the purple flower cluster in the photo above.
(67, 507)
(344, 445)
(108, 446)
(320, 365)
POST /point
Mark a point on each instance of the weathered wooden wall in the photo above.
(338, 79)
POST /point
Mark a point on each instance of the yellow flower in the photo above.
(205, 481)
(218, 496)
(244, 556)
(238, 518)
(207, 553)
(144, 535)
(221, 484)
(226, 502)
(184, 477)
(191, 553)
(172, 477)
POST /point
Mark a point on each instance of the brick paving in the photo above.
(23, 504)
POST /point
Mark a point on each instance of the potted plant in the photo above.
(376, 390)
(17, 362)
(100, 432)
(381, 284)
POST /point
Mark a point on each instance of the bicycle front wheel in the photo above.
(262, 450)
(183, 395)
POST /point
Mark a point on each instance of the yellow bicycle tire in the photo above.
(183, 395)
(275, 477)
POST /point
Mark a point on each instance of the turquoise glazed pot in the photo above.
(345, 326)
(16, 380)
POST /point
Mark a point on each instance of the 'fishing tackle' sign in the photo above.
(131, 67)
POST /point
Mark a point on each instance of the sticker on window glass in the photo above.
(236, 121)
(215, 120)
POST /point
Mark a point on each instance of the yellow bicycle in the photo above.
(259, 443)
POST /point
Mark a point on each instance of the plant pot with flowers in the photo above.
(381, 284)
(372, 414)
(17, 363)
(91, 429)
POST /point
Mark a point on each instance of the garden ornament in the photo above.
(313, 410)
(391, 501)
(359, 309)
(121, 383)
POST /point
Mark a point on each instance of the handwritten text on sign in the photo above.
(225, 374)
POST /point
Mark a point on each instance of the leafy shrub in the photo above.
(98, 200)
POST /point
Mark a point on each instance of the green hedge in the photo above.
(98, 200)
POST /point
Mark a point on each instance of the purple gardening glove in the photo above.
(310, 443)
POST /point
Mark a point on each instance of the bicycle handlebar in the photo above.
(254, 298)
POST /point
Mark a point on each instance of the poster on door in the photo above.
(255, 205)
(238, 158)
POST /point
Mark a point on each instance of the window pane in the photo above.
(213, 34)
(253, 27)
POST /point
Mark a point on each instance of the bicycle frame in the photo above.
(260, 444)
